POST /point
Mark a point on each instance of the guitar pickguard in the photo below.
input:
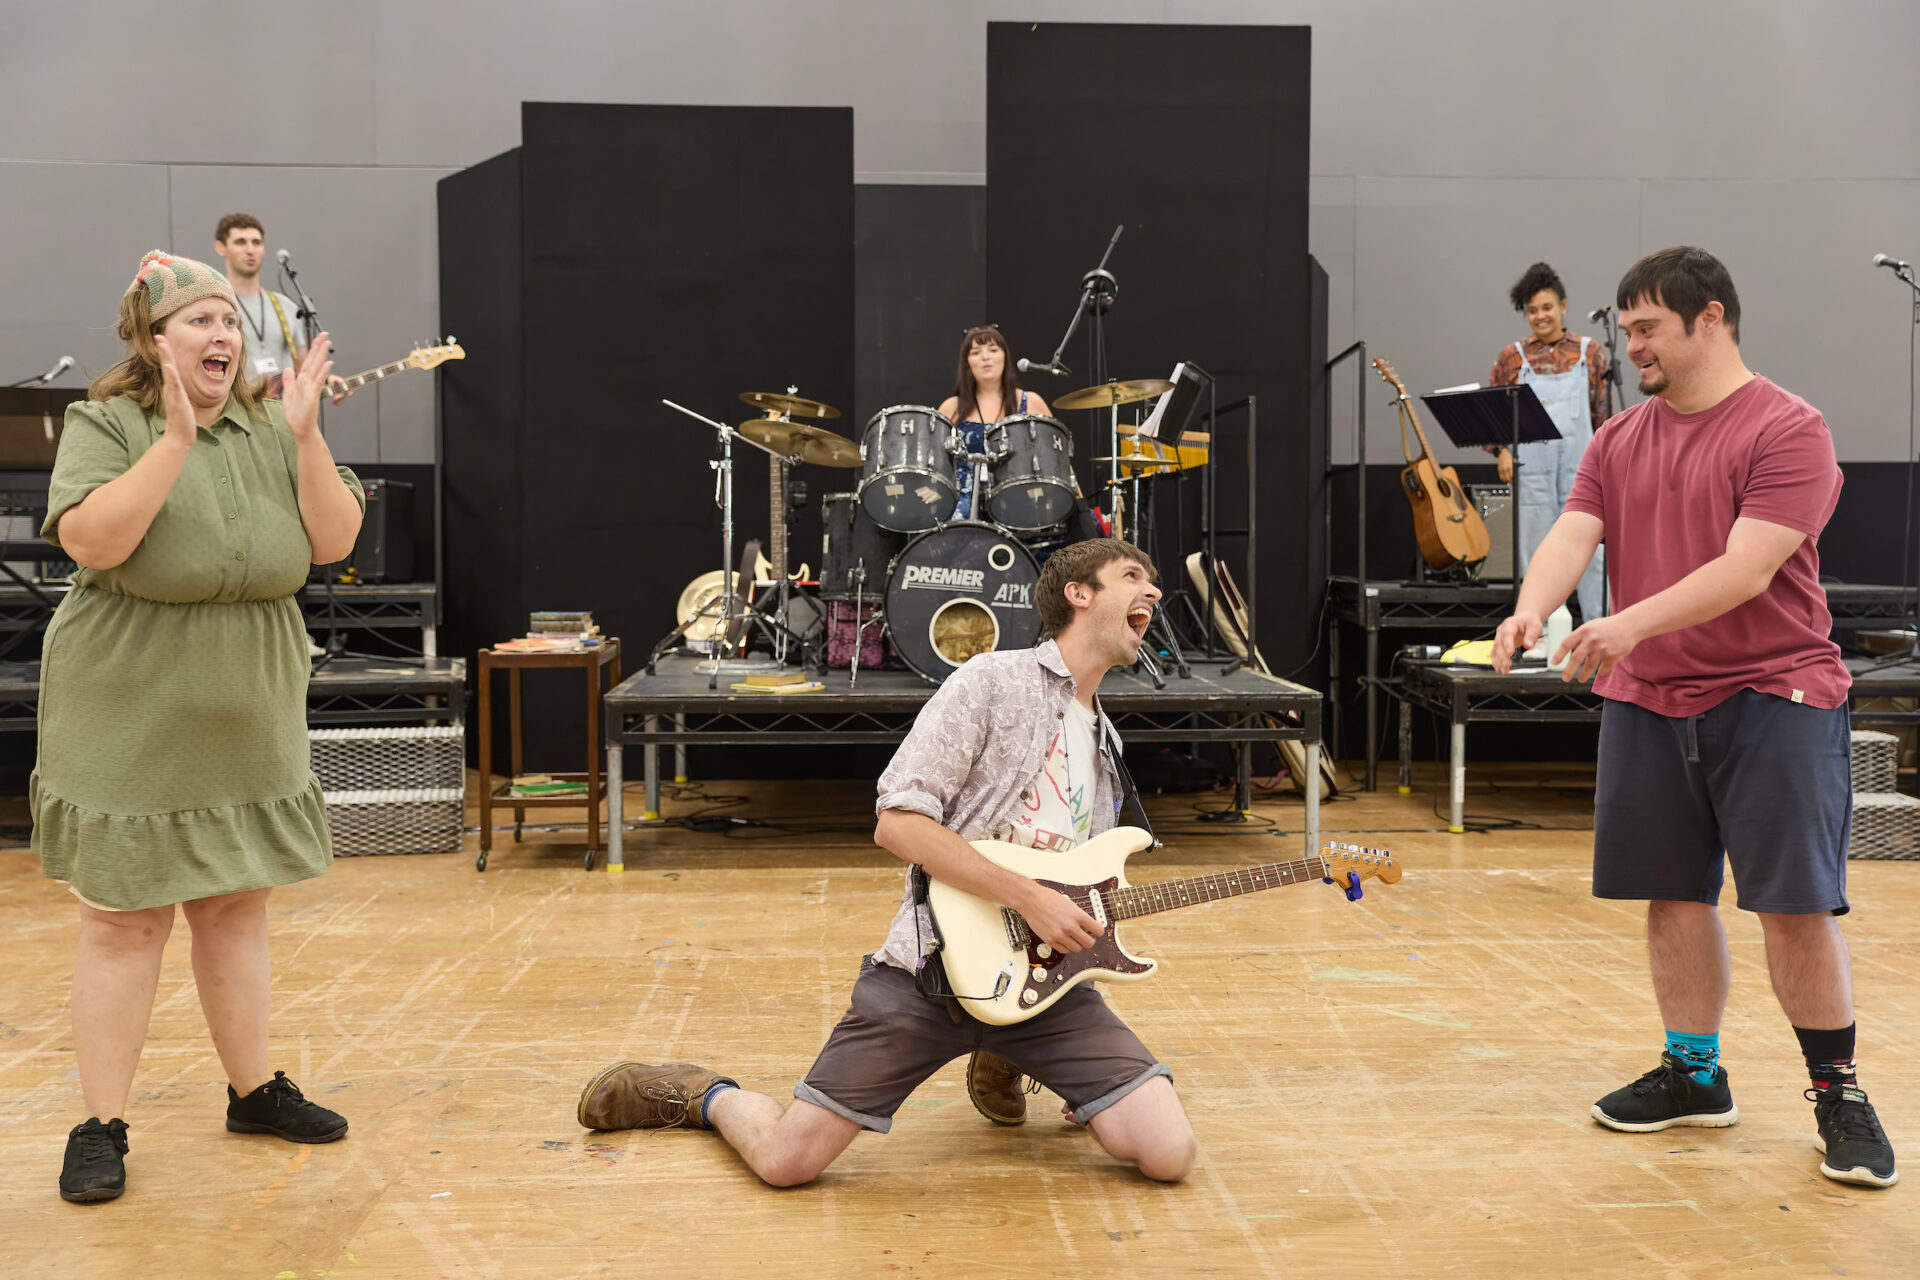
(1105, 953)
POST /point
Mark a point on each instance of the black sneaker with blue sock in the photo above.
(1689, 1087)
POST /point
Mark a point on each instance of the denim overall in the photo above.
(1547, 468)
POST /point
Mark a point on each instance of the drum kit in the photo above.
(900, 575)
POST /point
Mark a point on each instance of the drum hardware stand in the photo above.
(723, 498)
(859, 579)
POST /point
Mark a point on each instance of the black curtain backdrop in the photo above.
(687, 253)
(1194, 138)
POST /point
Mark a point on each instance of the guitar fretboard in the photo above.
(374, 375)
(1145, 899)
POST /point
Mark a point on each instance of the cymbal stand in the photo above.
(1159, 627)
(723, 498)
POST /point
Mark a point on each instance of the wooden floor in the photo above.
(1398, 1087)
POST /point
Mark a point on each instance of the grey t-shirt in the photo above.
(265, 338)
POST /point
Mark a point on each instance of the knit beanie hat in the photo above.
(174, 282)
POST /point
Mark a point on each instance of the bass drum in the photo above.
(958, 591)
(852, 540)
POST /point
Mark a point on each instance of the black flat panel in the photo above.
(689, 253)
(920, 281)
(1195, 139)
(481, 269)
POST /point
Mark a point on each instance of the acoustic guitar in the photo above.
(1003, 974)
(1448, 526)
(1230, 619)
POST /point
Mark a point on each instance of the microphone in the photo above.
(1025, 365)
(65, 363)
(1593, 317)
(281, 256)
(1882, 260)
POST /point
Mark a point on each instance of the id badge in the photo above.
(266, 366)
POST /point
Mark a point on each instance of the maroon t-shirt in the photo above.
(1668, 486)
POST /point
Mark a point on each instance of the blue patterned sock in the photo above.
(1701, 1054)
(714, 1090)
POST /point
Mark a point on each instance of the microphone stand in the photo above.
(1912, 651)
(1610, 325)
(1099, 280)
(309, 323)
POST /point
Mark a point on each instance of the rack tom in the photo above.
(1032, 484)
(906, 468)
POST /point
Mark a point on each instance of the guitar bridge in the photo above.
(1018, 935)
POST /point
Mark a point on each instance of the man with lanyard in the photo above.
(272, 347)
(1013, 746)
(1569, 374)
(1724, 731)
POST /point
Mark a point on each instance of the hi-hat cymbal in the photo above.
(1111, 393)
(817, 445)
(791, 405)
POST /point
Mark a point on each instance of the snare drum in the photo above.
(906, 470)
(958, 591)
(1032, 484)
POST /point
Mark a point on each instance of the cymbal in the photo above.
(792, 405)
(1111, 393)
(817, 445)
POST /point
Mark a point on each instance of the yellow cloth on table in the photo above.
(1470, 653)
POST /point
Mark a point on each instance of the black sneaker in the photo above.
(1850, 1137)
(1666, 1096)
(95, 1167)
(276, 1107)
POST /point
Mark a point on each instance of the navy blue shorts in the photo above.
(1758, 782)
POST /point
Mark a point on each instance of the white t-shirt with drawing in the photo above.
(1057, 813)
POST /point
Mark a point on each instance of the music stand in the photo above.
(1507, 416)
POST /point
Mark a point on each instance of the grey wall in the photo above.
(1452, 145)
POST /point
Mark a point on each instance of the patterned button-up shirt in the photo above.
(973, 754)
(1558, 357)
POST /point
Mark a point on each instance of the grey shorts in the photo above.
(1758, 782)
(893, 1037)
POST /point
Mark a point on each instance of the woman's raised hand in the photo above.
(302, 391)
(181, 424)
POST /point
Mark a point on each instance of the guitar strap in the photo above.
(1128, 792)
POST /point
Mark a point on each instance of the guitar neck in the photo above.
(1166, 895)
(374, 375)
(1419, 432)
(776, 505)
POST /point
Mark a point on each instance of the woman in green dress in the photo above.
(173, 765)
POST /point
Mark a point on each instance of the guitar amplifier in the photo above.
(384, 550)
(1492, 501)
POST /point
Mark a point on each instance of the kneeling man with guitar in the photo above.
(1002, 799)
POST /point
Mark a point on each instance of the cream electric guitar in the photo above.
(1003, 974)
(418, 358)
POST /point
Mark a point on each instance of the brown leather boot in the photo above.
(633, 1095)
(994, 1085)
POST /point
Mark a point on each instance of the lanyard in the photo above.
(260, 327)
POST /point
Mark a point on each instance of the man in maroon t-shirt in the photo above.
(1724, 736)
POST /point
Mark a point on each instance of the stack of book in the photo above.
(784, 682)
(556, 631)
(544, 785)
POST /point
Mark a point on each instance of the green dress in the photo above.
(173, 757)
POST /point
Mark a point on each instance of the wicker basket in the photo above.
(1886, 825)
(393, 790)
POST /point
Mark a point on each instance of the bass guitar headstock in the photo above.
(1349, 864)
(430, 357)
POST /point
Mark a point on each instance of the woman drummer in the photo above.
(173, 765)
(984, 388)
